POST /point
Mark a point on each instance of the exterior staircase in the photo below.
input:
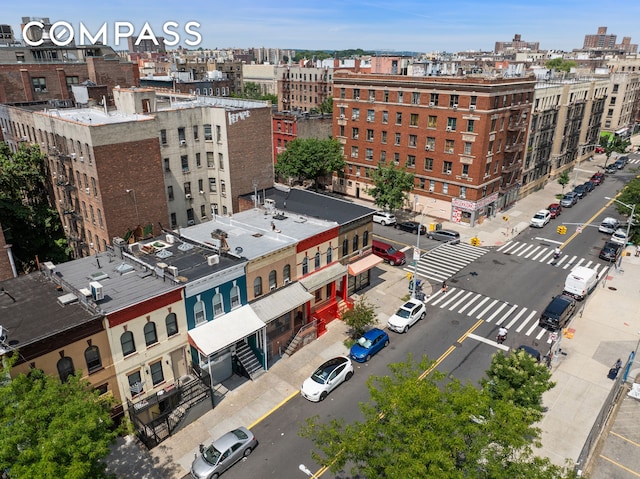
(249, 360)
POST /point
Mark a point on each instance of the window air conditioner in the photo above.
(448, 128)
(87, 190)
(183, 142)
(472, 107)
(73, 156)
(357, 98)
(188, 196)
(272, 287)
(342, 117)
(286, 281)
(428, 148)
(431, 103)
(201, 192)
(455, 105)
(191, 222)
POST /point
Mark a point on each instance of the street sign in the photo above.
(579, 229)
(416, 254)
(553, 337)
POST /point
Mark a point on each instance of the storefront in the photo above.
(360, 272)
(473, 212)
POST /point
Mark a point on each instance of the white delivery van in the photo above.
(580, 282)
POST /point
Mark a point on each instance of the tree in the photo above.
(327, 105)
(310, 159)
(29, 221)
(563, 179)
(613, 144)
(391, 185)
(630, 195)
(51, 428)
(426, 426)
(561, 65)
(360, 318)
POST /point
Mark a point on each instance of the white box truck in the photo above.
(580, 282)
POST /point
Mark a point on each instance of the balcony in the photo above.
(513, 148)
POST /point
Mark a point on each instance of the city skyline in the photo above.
(411, 25)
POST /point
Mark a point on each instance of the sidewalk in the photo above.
(609, 328)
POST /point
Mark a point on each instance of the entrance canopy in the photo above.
(324, 276)
(226, 330)
(282, 301)
(364, 264)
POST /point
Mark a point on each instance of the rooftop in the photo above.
(92, 116)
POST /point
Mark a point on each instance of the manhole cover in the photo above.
(612, 288)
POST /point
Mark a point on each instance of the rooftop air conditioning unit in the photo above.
(431, 103)
(173, 270)
(472, 107)
(213, 259)
(170, 239)
(97, 292)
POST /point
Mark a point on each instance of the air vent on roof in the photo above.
(164, 253)
(213, 259)
(50, 266)
(170, 239)
(67, 298)
(185, 247)
(98, 275)
(173, 270)
(124, 268)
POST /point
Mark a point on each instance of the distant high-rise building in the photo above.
(602, 41)
(137, 45)
(516, 44)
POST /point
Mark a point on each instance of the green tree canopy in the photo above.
(561, 65)
(52, 429)
(360, 318)
(28, 220)
(391, 186)
(563, 179)
(327, 105)
(418, 425)
(252, 91)
(310, 159)
(613, 144)
(630, 195)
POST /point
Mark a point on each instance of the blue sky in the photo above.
(400, 25)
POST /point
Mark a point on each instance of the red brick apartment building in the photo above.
(463, 138)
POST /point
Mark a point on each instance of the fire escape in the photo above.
(286, 90)
(513, 152)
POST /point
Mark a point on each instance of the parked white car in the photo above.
(541, 218)
(384, 218)
(619, 236)
(609, 225)
(408, 314)
(326, 378)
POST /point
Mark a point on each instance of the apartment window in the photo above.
(218, 133)
(343, 93)
(273, 279)
(257, 286)
(413, 119)
(610, 112)
(432, 121)
(494, 122)
(428, 164)
(415, 98)
(171, 322)
(385, 117)
(384, 137)
(413, 141)
(355, 114)
(198, 161)
(432, 185)
(467, 147)
(451, 124)
(433, 98)
(286, 273)
(421, 183)
(411, 161)
(127, 343)
(490, 147)
(613, 100)
(163, 137)
(340, 134)
(445, 188)
(369, 154)
(385, 96)
(448, 146)
(396, 158)
(495, 167)
(398, 138)
(465, 170)
(371, 115)
(187, 188)
(446, 167)
(207, 132)
(184, 161)
(93, 219)
(329, 255)
(174, 220)
(218, 306)
(487, 169)
(167, 165)
(615, 88)
(356, 243)
(100, 218)
(223, 188)
(221, 161)
(157, 376)
(473, 100)
(210, 161)
(354, 152)
(369, 135)
(431, 143)
(355, 133)
(195, 132)
(453, 101)
(135, 384)
(463, 192)
(170, 193)
(150, 335)
(71, 81)
(345, 247)
(39, 84)
(235, 295)
(470, 125)
(400, 97)
(203, 211)
(181, 136)
(399, 118)
(356, 93)
(212, 185)
(92, 358)
(383, 156)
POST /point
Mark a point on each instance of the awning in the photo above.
(622, 131)
(282, 301)
(324, 276)
(226, 330)
(364, 264)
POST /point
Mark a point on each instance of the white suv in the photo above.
(384, 218)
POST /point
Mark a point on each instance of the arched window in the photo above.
(65, 368)
(305, 265)
(257, 286)
(92, 357)
(273, 279)
(286, 273)
(199, 312)
(355, 242)
(317, 260)
(345, 247)
(329, 255)
(128, 344)
(150, 335)
(235, 295)
(365, 239)
(172, 324)
(218, 305)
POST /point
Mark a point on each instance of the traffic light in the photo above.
(475, 241)
(562, 229)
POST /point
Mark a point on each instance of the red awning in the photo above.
(364, 264)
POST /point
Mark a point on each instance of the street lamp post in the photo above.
(633, 210)
(414, 286)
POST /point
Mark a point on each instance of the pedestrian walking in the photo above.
(638, 249)
(444, 287)
(613, 372)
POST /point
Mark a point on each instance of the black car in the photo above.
(589, 185)
(411, 227)
(558, 313)
(610, 251)
(581, 191)
(611, 169)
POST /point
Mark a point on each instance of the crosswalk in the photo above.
(544, 254)
(490, 310)
(442, 262)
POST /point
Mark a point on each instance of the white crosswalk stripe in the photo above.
(544, 254)
(487, 309)
(443, 262)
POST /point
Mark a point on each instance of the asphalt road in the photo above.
(514, 279)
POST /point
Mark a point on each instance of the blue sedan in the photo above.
(369, 344)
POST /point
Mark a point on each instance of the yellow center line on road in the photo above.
(630, 471)
(588, 222)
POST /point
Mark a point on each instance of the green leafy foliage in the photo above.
(327, 105)
(252, 91)
(360, 318)
(53, 429)
(310, 159)
(563, 179)
(391, 186)
(324, 54)
(613, 144)
(428, 425)
(630, 195)
(29, 221)
(561, 65)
